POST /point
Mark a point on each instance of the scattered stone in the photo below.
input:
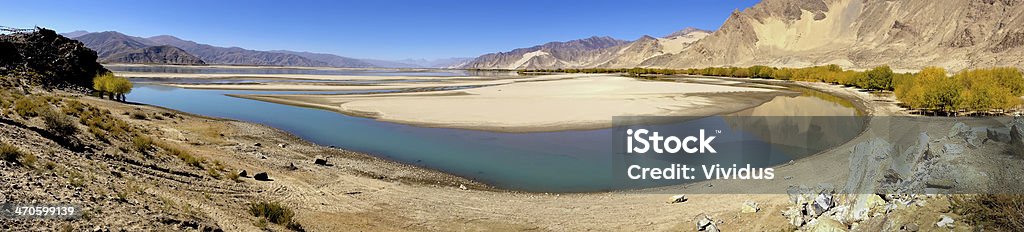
(261, 176)
(282, 145)
(795, 216)
(945, 222)
(322, 162)
(950, 148)
(292, 167)
(704, 223)
(749, 207)
(243, 173)
(257, 144)
(677, 199)
(823, 202)
(463, 187)
(787, 177)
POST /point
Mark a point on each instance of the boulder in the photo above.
(677, 199)
(463, 187)
(322, 162)
(282, 145)
(825, 224)
(959, 131)
(242, 173)
(998, 134)
(794, 215)
(749, 207)
(262, 176)
(257, 144)
(704, 223)
(940, 183)
(945, 222)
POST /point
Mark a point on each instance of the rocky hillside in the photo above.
(43, 57)
(161, 54)
(331, 59)
(907, 34)
(575, 53)
(852, 33)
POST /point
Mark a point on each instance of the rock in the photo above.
(823, 202)
(292, 167)
(787, 177)
(677, 199)
(998, 134)
(825, 224)
(243, 173)
(959, 131)
(940, 183)
(282, 145)
(463, 187)
(749, 207)
(257, 145)
(261, 176)
(867, 205)
(319, 161)
(945, 222)
(795, 216)
(952, 149)
(704, 223)
(912, 227)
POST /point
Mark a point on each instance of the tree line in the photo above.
(930, 90)
(114, 87)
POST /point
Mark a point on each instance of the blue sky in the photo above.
(377, 29)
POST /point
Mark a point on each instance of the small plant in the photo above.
(59, 123)
(233, 176)
(29, 107)
(138, 116)
(213, 172)
(276, 213)
(142, 143)
(10, 153)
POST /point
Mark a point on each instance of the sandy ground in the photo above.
(552, 104)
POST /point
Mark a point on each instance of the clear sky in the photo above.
(377, 29)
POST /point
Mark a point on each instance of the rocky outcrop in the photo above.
(41, 56)
(162, 54)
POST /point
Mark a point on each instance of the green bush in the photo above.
(113, 86)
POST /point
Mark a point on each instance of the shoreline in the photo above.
(533, 106)
(374, 193)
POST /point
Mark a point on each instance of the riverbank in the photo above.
(555, 103)
(361, 192)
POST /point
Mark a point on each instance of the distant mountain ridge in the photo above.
(115, 47)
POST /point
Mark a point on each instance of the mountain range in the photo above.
(905, 34)
(115, 47)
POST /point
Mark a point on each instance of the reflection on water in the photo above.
(566, 161)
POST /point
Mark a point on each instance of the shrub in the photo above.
(139, 116)
(141, 143)
(997, 211)
(10, 153)
(29, 107)
(59, 123)
(274, 212)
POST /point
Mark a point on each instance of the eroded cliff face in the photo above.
(905, 34)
